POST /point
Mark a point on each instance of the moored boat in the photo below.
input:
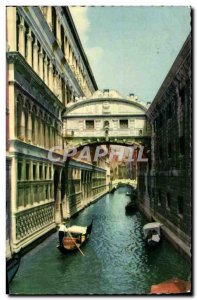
(12, 266)
(71, 238)
(152, 233)
(172, 286)
(131, 207)
(128, 194)
(113, 190)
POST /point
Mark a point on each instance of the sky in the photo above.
(131, 49)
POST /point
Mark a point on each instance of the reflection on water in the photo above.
(116, 260)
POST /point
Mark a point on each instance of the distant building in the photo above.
(165, 189)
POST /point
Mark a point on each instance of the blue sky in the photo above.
(131, 49)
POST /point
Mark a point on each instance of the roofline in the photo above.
(79, 44)
(99, 100)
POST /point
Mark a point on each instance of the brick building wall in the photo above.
(169, 173)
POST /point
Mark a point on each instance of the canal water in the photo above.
(116, 260)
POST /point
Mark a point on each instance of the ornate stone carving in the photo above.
(30, 221)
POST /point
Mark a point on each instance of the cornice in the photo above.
(110, 100)
(47, 39)
(70, 21)
(106, 116)
(76, 163)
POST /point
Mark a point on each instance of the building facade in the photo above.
(165, 183)
(46, 70)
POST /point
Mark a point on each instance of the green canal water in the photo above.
(116, 260)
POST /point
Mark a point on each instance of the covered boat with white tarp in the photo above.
(152, 233)
(71, 238)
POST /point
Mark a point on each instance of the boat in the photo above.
(172, 286)
(12, 266)
(130, 207)
(113, 190)
(72, 238)
(152, 233)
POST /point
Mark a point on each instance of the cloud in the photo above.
(94, 54)
(81, 21)
(83, 25)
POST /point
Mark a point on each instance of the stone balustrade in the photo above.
(30, 221)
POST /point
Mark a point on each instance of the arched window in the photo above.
(54, 21)
(106, 124)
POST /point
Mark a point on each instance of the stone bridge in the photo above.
(106, 118)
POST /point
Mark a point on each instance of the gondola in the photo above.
(152, 234)
(72, 238)
(128, 194)
(113, 190)
(131, 207)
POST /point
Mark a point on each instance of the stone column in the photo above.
(11, 28)
(41, 63)
(67, 48)
(49, 16)
(22, 125)
(31, 186)
(35, 56)
(21, 40)
(58, 30)
(29, 129)
(71, 57)
(46, 70)
(35, 130)
(29, 48)
(51, 76)
(60, 88)
(47, 136)
(41, 134)
(43, 131)
(55, 83)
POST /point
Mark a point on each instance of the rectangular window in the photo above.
(89, 124)
(153, 193)
(169, 111)
(19, 170)
(34, 172)
(160, 120)
(27, 171)
(49, 172)
(180, 205)
(46, 193)
(182, 145)
(160, 153)
(62, 39)
(123, 124)
(168, 200)
(45, 172)
(169, 150)
(40, 171)
(54, 21)
(182, 95)
(159, 198)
